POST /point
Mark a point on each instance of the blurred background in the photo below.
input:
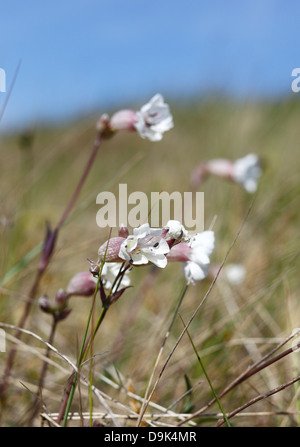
(225, 69)
(78, 56)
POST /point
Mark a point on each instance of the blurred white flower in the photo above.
(246, 171)
(234, 273)
(153, 119)
(202, 245)
(145, 245)
(109, 273)
(194, 255)
(176, 230)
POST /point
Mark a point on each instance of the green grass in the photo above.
(234, 327)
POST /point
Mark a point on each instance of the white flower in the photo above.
(202, 245)
(176, 230)
(145, 245)
(109, 273)
(154, 119)
(246, 171)
(235, 273)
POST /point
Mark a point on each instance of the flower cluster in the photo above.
(161, 245)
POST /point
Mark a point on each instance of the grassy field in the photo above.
(234, 326)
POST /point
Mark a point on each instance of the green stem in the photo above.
(207, 377)
(86, 345)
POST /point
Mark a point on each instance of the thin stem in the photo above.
(85, 346)
(45, 364)
(68, 398)
(12, 353)
(148, 395)
(254, 369)
(258, 398)
(86, 171)
(44, 263)
(206, 376)
(69, 394)
(44, 368)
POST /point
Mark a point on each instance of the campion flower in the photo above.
(109, 273)
(235, 273)
(194, 255)
(232, 273)
(154, 119)
(151, 121)
(144, 246)
(245, 171)
(175, 230)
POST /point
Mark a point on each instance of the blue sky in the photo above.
(78, 56)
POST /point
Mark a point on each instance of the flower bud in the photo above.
(123, 231)
(110, 250)
(61, 298)
(94, 269)
(103, 126)
(176, 230)
(82, 284)
(44, 304)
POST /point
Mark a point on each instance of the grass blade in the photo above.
(207, 377)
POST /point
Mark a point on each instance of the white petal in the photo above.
(206, 240)
(139, 258)
(235, 273)
(199, 256)
(194, 272)
(123, 254)
(154, 119)
(141, 231)
(176, 230)
(162, 248)
(158, 260)
(156, 100)
(246, 171)
(131, 243)
(154, 232)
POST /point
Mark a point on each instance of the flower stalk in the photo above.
(47, 252)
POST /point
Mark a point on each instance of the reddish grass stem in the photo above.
(47, 252)
(249, 372)
(258, 398)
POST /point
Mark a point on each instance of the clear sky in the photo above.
(79, 55)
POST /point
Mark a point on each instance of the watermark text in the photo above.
(135, 209)
(296, 82)
(2, 81)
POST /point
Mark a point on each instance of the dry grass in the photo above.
(236, 325)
